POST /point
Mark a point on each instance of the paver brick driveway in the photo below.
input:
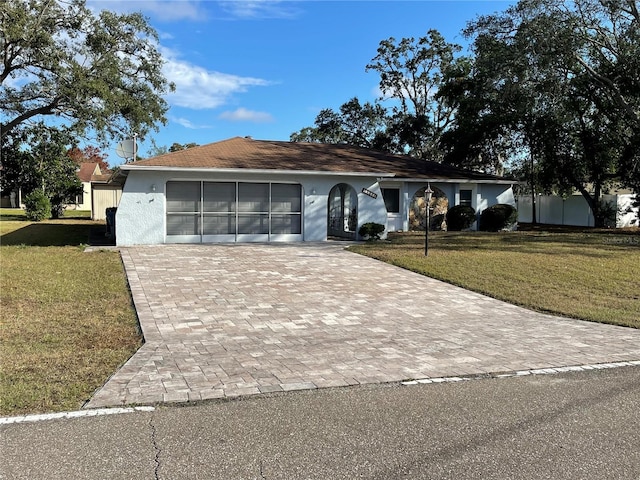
(228, 320)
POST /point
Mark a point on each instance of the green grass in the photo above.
(590, 275)
(66, 322)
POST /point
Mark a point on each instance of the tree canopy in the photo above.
(549, 89)
(89, 154)
(45, 166)
(98, 73)
(354, 124)
(553, 86)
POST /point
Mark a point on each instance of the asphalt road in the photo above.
(580, 425)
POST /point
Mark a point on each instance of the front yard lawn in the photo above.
(591, 275)
(66, 322)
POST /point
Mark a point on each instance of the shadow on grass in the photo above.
(48, 235)
(13, 217)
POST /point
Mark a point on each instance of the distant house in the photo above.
(105, 193)
(85, 172)
(245, 190)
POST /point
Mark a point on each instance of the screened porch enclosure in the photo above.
(233, 211)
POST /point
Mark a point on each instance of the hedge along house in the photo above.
(245, 190)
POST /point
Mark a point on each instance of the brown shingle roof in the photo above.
(246, 153)
(86, 170)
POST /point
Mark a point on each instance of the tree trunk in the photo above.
(532, 179)
(594, 203)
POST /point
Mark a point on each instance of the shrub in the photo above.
(498, 217)
(460, 218)
(371, 230)
(37, 206)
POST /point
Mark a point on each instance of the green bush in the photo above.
(460, 218)
(37, 206)
(371, 230)
(498, 217)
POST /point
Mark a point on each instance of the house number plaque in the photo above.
(369, 193)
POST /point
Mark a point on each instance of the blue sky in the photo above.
(265, 68)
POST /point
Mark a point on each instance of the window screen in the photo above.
(219, 197)
(183, 197)
(285, 198)
(253, 197)
(229, 208)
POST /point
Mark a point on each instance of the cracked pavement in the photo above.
(565, 426)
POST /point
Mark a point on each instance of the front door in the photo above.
(343, 212)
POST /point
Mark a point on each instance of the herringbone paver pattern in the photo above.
(229, 320)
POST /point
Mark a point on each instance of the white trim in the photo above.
(181, 238)
(252, 237)
(222, 238)
(286, 237)
(447, 180)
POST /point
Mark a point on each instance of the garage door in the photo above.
(233, 212)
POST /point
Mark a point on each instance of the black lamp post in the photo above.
(428, 193)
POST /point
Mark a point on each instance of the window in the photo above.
(391, 199)
(465, 197)
(230, 208)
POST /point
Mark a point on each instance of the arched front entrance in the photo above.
(437, 210)
(342, 219)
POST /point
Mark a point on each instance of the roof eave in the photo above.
(501, 181)
(157, 168)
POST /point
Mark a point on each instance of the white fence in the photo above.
(574, 210)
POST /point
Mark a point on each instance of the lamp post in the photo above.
(427, 200)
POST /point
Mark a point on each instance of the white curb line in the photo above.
(78, 414)
(521, 373)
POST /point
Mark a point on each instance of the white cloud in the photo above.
(199, 88)
(244, 115)
(164, 10)
(259, 8)
(165, 35)
(186, 123)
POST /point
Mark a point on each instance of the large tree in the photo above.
(562, 80)
(98, 73)
(411, 73)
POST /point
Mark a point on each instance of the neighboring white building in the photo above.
(86, 171)
(245, 190)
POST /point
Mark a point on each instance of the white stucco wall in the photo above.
(316, 204)
(140, 214)
(140, 219)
